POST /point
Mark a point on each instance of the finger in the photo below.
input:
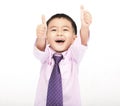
(43, 20)
(81, 8)
(82, 11)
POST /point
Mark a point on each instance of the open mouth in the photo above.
(59, 41)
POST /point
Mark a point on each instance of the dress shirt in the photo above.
(69, 67)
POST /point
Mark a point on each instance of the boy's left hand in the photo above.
(86, 18)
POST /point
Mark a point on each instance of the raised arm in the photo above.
(41, 35)
(86, 20)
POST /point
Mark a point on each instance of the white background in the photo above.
(19, 69)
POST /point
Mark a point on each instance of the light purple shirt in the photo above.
(69, 67)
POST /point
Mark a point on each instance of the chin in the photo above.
(60, 50)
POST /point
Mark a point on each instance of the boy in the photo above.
(59, 37)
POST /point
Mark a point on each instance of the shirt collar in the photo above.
(51, 52)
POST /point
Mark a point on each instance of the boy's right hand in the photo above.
(42, 29)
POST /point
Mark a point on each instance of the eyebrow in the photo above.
(51, 27)
(56, 26)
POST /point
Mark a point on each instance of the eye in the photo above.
(53, 29)
(65, 29)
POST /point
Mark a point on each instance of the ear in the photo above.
(74, 37)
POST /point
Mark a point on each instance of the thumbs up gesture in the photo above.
(86, 18)
(41, 35)
(42, 28)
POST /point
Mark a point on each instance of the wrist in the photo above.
(41, 43)
(84, 34)
(85, 27)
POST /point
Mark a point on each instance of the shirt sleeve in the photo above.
(41, 55)
(78, 50)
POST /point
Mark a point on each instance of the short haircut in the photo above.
(61, 15)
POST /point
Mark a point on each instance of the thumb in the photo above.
(43, 19)
(82, 7)
(82, 11)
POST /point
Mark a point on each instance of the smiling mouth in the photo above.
(60, 41)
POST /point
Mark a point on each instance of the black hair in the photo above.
(61, 15)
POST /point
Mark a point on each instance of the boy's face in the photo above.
(60, 34)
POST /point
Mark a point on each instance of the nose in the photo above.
(59, 33)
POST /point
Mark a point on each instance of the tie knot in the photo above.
(57, 58)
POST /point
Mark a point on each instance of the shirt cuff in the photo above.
(40, 55)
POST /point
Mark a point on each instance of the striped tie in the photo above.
(54, 94)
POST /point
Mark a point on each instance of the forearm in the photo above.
(40, 43)
(84, 34)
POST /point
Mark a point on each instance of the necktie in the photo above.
(54, 94)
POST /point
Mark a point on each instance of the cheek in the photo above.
(49, 39)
